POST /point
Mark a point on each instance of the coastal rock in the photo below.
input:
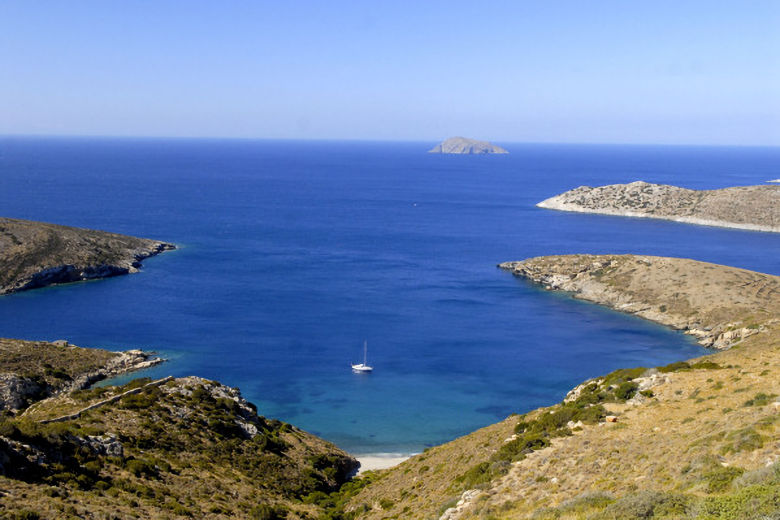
(754, 208)
(665, 290)
(31, 371)
(37, 254)
(463, 145)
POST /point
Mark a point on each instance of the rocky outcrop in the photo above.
(32, 371)
(245, 412)
(123, 362)
(37, 254)
(17, 392)
(719, 305)
(463, 145)
(754, 208)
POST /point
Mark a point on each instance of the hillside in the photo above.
(695, 439)
(746, 207)
(37, 254)
(34, 370)
(172, 448)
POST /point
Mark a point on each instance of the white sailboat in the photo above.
(363, 367)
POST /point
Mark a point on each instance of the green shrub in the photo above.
(586, 501)
(760, 399)
(720, 478)
(482, 473)
(268, 512)
(647, 504)
(677, 366)
(626, 390)
(139, 467)
(751, 503)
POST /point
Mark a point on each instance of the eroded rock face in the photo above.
(17, 392)
(463, 145)
(745, 207)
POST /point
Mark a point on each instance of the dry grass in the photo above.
(700, 428)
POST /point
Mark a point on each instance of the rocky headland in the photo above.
(34, 370)
(37, 254)
(463, 145)
(694, 439)
(754, 208)
(718, 305)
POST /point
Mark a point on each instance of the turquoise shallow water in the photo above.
(294, 253)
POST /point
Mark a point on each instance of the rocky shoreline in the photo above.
(754, 208)
(38, 254)
(68, 368)
(682, 294)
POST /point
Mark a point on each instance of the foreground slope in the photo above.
(36, 254)
(695, 439)
(172, 448)
(746, 207)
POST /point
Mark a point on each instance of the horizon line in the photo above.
(367, 140)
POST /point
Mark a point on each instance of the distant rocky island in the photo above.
(463, 145)
(37, 254)
(754, 208)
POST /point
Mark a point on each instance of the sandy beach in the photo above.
(374, 461)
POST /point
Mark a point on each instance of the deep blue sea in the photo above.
(294, 253)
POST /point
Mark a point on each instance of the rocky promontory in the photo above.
(35, 370)
(37, 254)
(463, 145)
(719, 305)
(754, 208)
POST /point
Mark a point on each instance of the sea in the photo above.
(291, 254)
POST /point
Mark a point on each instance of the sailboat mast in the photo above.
(365, 352)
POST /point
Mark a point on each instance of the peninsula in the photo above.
(37, 254)
(754, 208)
(463, 145)
(693, 439)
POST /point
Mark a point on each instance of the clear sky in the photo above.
(681, 72)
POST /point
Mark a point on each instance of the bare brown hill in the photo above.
(746, 207)
(36, 254)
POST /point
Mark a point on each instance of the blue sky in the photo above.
(694, 72)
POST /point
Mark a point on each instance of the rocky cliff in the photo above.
(36, 254)
(463, 145)
(745, 207)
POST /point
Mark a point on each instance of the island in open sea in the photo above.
(463, 145)
(754, 208)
